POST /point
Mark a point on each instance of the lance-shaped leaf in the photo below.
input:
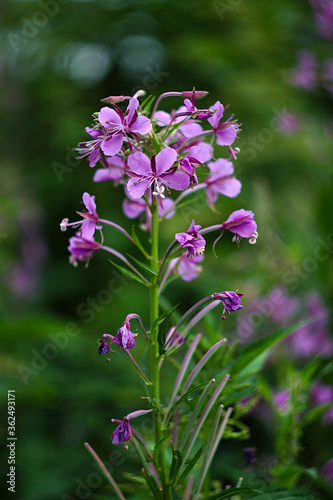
(211, 447)
(129, 274)
(226, 494)
(194, 414)
(252, 357)
(203, 417)
(196, 370)
(105, 471)
(139, 244)
(144, 266)
(181, 374)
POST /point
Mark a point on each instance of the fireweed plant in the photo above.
(159, 159)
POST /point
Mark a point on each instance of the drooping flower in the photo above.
(221, 180)
(192, 240)
(225, 132)
(112, 171)
(90, 218)
(81, 248)
(122, 433)
(188, 268)
(156, 172)
(241, 223)
(230, 300)
(104, 346)
(125, 338)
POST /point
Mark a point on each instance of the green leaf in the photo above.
(163, 319)
(190, 465)
(144, 266)
(252, 357)
(147, 104)
(174, 494)
(153, 487)
(139, 244)
(157, 449)
(176, 463)
(129, 274)
(230, 492)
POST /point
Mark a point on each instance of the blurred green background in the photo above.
(58, 58)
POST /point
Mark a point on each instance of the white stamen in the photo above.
(200, 251)
(253, 238)
(63, 224)
(159, 190)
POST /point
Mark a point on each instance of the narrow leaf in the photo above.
(191, 464)
(153, 487)
(175, 464)
(186, 361)
(212, 444)
(144, 266)
(231, 491)
(247, 360)
(130, 274)
(139, 244)
(105, 471)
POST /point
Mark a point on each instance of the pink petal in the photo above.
(137, 186)
(111, 146)
(226, 136)
(89, 202)
(215, 119)
(162, 118)
(177, 180)
(139, 163)
(220, 167)
(141, 125)
(165, 159)
(132, 209)
(109, 118)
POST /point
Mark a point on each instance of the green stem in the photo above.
(155, 354)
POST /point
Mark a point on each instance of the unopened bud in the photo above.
(198, 94)
(140, 93)
(114, 99)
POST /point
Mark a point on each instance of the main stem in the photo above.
(155, 355)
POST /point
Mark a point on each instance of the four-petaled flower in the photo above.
(155, 171)
(192, 240)
(90, 218)
(226, 132)
(241, 223)
(230, 300)
(117, 125)
(221, 180)
(81, 248)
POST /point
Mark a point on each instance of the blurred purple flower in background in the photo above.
(305, 73)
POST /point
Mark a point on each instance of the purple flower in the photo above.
(321, 393)
(92, 149)
(113, 170)
(221, 180)
(327, 470)
(188, 268)
(327, 75)
(230, 300)
(288, 123)
(192, 240)
(281, 400)
(123, 432)
(90, 218)
(241, 223)
(81, 248)
(103, 346)
(117, 125)
(226, 132)
(304, 75)
(125, 338)
(134, 207)
(157, 172)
